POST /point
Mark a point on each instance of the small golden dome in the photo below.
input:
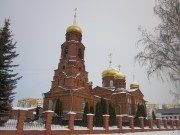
(74, 28)
(90, 82)
(134, 85)
(109, 72)
(119, 76)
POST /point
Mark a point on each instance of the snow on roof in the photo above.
(119, 93)
(120, 89)
(100, 97)
(122, 92)
(104, 88)
(49, 111)
(108, 88)
(71, 112)
(73, 41)
(71, 60)
(132, 90)
(90, 114)
(96, 96)
(106, 115)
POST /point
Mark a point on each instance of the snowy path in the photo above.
(175, 132)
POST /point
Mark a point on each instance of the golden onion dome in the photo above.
(90, 82)
(74, 28)
(109, 72)
(134, 85)
(119, 75)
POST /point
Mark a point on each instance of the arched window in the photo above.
(82, 106)
(103, 84)
(80, 53)
(111, 83)
(66, 52)
(129, 109)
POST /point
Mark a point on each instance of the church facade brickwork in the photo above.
(71, 85)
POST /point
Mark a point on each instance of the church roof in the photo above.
(121, 92)
(169, 111)
(102, 88)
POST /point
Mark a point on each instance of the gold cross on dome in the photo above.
(110, 61)
(74, 23)
(133, 77)
(119, 67)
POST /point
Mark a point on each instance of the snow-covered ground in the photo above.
(175, 132)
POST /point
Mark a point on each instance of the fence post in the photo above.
(21, 118)
(119, 121)
(177, 123)
(90, 121)
(71, 121)
(106, 121)
(165, 123)
(141, 122)
(131, 123)
(172, 123)
(48, 115)
(151, 123)
(158, 123)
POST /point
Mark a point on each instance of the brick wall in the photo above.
(173, 125)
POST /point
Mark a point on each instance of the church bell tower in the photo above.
(70, 81)
(71, 73)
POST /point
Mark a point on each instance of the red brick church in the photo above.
(71, 85)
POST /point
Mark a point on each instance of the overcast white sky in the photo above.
(109, 26)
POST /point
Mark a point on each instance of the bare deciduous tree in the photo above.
(161, 50)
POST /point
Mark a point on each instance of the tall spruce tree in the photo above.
(112, 112)
(101, 109)
(143, 111)
(140, 111)
(37, 110)
(98, 114)
(91, 110)
(153, 115)
(58, 108)
(103, 105)
(36, 117)
(86, 111)
(98, 111)
(8, 79)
